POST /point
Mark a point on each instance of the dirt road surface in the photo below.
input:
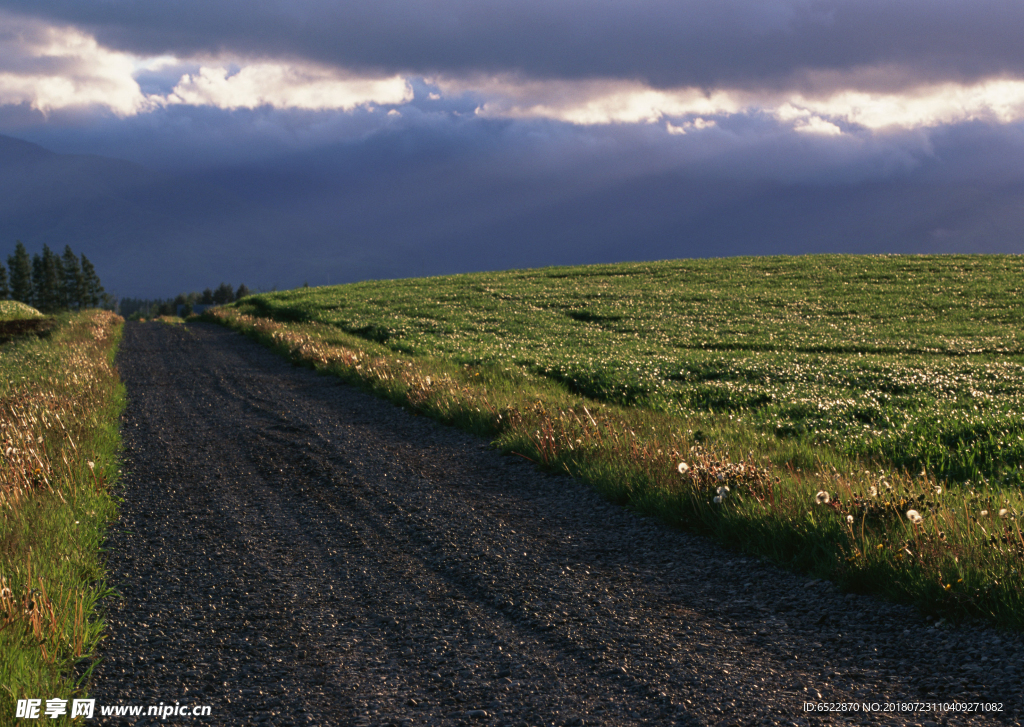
(295, 552)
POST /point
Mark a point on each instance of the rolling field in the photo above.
(857, 418)
(917, 361)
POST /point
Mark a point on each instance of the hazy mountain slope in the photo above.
(338, 217)
(141, 229)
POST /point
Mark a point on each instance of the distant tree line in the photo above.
(50, 282)
(151, 308)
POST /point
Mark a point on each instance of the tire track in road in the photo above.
(294, 551)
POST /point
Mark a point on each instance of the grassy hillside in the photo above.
(856, 417)
(915, 360)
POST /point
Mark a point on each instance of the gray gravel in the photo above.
(292, 551)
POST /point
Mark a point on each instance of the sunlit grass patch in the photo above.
(797, 408)
(59, 404)
(12, 310)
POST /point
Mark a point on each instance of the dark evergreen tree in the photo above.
(94, 293)
(74, 282)
(47, 281)
(21, 274)
(223, 294)
(181, 305)
(207, 298)
(242, 292)
(37, 280)
(5, 293)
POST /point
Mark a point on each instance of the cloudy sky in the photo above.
(406, 137)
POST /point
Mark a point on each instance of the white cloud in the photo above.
(999, 100)
(698, 124)
(286, 86)
(49, 68)
(585, 102)
(824, 112)
(806, 122)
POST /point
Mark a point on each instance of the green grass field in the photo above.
(891, 383)
(918, 361)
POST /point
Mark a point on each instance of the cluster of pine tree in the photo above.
(223, 294)
(137, 308)
(52, 282)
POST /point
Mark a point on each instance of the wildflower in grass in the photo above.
(822, 498)
(683, 468)
(914, 516)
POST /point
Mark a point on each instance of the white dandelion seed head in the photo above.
(938, 490)
(721, 477)
(874, 491)
(914, 516)
(723, 491)
(717, 500)
(984, 513)
(683, 468)
(91, 465)
(822, 498)
(1003, 512)
(849, 519)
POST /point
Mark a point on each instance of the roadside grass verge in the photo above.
(60, 400)
(870, 527)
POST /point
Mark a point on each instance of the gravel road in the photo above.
(292, 551)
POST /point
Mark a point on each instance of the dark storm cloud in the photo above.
(737, 43)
